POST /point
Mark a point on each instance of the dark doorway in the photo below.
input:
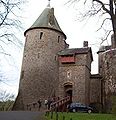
(68, 91)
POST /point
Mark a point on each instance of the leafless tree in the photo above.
(10, 29)
(106, 9)
(6, 100)
(5, 96)
(9, 23)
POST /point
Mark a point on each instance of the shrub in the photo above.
(6, 105)
(114, 104)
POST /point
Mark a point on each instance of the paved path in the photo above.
(21, 115)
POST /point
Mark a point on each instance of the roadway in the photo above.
(21, 115)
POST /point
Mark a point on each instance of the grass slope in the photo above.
(82, 116)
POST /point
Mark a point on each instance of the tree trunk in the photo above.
(113, 19)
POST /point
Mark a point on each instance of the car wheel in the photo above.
(89, 111)
(74, 110)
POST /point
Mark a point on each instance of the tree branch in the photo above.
(106, 36)
(7, 11)
(103, 23)
(103, 6)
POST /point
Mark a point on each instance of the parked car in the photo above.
(78, 107)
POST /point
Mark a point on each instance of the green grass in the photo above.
(82, 116)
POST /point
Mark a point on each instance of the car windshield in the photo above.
(76, 105)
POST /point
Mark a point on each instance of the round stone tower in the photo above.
(39, 74)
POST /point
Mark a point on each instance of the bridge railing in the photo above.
(61, 104)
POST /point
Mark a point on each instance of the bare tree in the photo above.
(10, 29)
(9, 23)
(6, 100)
(106, 9)
(5, 96)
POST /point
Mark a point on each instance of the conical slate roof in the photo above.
(46, 20)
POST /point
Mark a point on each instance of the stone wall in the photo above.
(109, 68)
(87, 75)
(76, 78)
(95, 89)
(109, 76)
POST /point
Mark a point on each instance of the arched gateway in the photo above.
(68, 89)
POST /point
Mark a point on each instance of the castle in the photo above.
(50, 68)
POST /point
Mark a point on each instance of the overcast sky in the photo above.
(76, 33)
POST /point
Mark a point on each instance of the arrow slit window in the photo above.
(41, 34)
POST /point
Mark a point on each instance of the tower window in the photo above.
(41, 34)
(55, 58)
(69, 74)
(58, 39)
(38, 55)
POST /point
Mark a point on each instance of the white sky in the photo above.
(75, 31)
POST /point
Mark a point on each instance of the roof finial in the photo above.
(48, 3)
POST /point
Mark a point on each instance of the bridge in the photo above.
(59, 105)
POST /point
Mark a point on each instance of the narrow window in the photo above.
(68, 74)
(41, 34)
(38, 55)
(58, 39)
(55, 57)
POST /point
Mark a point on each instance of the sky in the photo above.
(67, 17)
